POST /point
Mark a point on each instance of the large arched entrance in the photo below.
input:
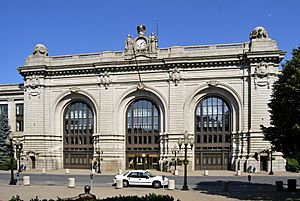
(142, 135)
(212, 134)
(78, 135)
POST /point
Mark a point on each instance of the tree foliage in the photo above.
(4, 131)
(284, 132)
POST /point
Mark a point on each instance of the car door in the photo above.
(133, 178)
(144, 179)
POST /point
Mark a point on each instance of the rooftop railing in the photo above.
(174, 49)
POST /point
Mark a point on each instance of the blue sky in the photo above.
(87, 26)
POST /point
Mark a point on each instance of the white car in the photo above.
(141, 177)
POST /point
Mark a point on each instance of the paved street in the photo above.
(262, 186)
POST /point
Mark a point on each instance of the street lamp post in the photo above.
(9, 141)
(175, 151)
(19, 147)
(99, 152)
(271, 171)
(186, 141)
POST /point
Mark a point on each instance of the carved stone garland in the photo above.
(105, 79)
(175, 75)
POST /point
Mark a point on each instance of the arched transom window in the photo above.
(142, 125)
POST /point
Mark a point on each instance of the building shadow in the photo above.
(246, 191)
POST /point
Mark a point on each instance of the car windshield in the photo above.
(150, 174)
(125, 174)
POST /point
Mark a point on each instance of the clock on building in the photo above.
(141, 44)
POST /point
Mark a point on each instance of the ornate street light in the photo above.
(175, 151)
(19, 147)
(186, 141)
(99, 152)
(9, 142)
(271, 151)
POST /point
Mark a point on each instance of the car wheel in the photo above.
(156, 184)
(125, 183)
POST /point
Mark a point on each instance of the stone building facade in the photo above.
(131, 107)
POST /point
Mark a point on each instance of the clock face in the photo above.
(141, 43)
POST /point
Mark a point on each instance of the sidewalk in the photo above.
(48, 192)
(52, 192)
(210, 191)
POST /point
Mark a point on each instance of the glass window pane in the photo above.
(209, 101)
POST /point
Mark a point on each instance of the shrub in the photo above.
(292, 165)
(5, 165)
(150, 197)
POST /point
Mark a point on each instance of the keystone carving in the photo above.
(105, 79)
(140, 86)
(175, 75)
(213, 83)
(40, 50)
(74, 89)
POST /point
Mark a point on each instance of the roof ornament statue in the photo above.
(141, 29)
(259, 33)
(40, 50)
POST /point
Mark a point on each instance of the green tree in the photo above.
(284, 132)
(4, 131)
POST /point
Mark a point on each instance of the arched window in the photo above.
(213, 133)
(142, 135)
(142, 123)
(79, 119)
(212, 115)
(78, 135)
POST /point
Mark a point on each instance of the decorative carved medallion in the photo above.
(175, 75)
(262, 69)
(105, 79)
(261, 72)
(32, 84)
